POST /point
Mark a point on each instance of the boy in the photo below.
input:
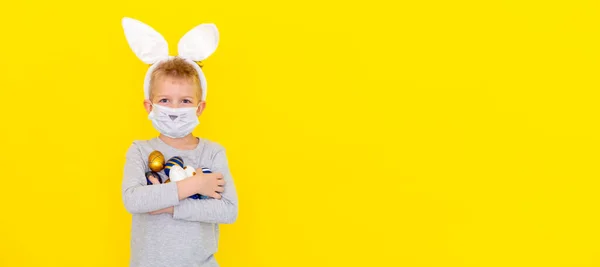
(169, 228)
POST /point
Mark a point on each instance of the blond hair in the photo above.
(176, 68)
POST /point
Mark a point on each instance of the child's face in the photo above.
(174, 93)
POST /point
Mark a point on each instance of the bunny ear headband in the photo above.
(152, 48)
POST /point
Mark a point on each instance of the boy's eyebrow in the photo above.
(159, 96)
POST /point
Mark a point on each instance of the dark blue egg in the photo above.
(153, 174)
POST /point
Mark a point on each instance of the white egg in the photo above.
(189, 171)
(177, 173)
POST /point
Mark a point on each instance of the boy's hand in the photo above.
(209, 184)
(165, 210)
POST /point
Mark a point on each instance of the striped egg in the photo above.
(172, 162)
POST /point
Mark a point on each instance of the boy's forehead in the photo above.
(174, 87)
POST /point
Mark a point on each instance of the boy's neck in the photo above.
(188, 142)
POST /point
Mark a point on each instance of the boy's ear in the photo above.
(147, 106)
(199, 43)
(147, 44)
(200, 108)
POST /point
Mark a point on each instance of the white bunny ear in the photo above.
(147, 44)
(200, 42)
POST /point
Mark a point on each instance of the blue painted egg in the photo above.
(172, 162)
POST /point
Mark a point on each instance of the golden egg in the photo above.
(156, 161)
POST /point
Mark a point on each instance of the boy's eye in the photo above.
(164, 100)
(187, 101)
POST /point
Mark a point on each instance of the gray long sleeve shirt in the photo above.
(189, 236)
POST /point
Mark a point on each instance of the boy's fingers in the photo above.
(216, 195)
(220, 189)
(221, 182)
(153, 180)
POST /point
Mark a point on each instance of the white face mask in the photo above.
(173, 122)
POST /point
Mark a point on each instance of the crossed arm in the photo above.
(173, 197)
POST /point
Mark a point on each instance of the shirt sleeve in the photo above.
(223, 211)
(139, 197)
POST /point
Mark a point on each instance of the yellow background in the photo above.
(425, 133)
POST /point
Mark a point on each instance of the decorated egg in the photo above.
(177, 173)
(156, 161)
(190, 171)
(174, 161)
(154, 175)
